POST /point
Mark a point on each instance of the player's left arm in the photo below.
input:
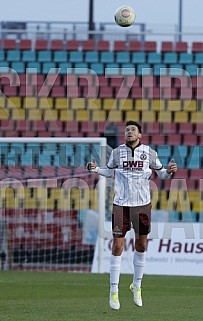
(161, 171)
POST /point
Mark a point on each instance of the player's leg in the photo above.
(141, 226)
(120, 225)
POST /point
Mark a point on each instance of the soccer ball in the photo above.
(125, 16)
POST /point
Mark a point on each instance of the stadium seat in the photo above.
(197, 47)
(97, 68)
(91, 56)
(144, 70)
(170, 58)
(150, 46)
(107, 57)
(181, 46)
(72, 45)
(154, 58)
(60, 56)
(138, 58)
(18, 67)
(166, 46)
(2, 55)
(29, 55)
(119, 45)
(8, 44)
(122, 57)
(88, 45)
(44, 56)
(25, 44)
(56, 44)
(13, 55)
(135, 46)
(58, 91)
(103, 45)
(41, 44)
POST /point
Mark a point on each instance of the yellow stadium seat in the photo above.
(18, 114)
(34, 114)
(173, 105)
(2, 102)
(190, 105)
(181, 116)
(94, 104)
(14, 102)
(98, 115)
(110, 104)
(50, 114)
(46, 102)
(125, 104)
(158, 104)
(142, 104)
(62, 103)
(66, 115)
(30, 102)
(196, 117)
(148, 116)
(114, 115)
(78, 103)
(132, 115)
(4, 114)
(164, 116)
(82, 115)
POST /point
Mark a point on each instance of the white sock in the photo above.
(139, 264)
(115, 264)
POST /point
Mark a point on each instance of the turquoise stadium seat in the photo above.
(91, 56)
(188, 216)
(173, 216)
(33, 67)
(107, 57)
(76, 56)
(164, 153)
(122, 57)
(97, 68)
(60, 56)
(13, 55)
(138, 57)
(112, 69)
(198, 58)
(28, 55)
(185, 58)
(81, 68)
(4, 67)
(160, 70)
(154, 58)
(176, 70)
(194, 159)
(49, 67)
(170, 58)
(44, 56)
(192, 69)
(2, 55)
(127, 69)
(18, 67)
(65, 68)
(180, 153)
(144, 70)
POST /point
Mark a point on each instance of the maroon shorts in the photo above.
(125, 217)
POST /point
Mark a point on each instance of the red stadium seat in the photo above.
(106, 92)
(103, 45)
(58, 91)
(153, 128)
(158, 139)
(150, 46)
(169, 128)
(8, 44)
(72, 45)
(174, 140)
(167, 46)
(135, 46)
(186, 128)
(25, 44)
(119, 45)
(190, 140)
(56, 44)
(181, 46)
(197, 47)
(41, 44)
(196, 173)
(39, 125)
(87, 127)
(88, 45)
(71, 127)
(55, 126)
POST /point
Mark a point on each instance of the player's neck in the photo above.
(134, 144)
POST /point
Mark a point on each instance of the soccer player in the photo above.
(131, 165)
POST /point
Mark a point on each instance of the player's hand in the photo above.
(172, 167)
(92, 166)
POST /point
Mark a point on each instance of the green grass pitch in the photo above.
(61, 296)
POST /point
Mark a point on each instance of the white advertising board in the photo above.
(173, 249)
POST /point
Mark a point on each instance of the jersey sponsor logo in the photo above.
(133, 165)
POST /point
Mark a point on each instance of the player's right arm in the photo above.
(107, 171)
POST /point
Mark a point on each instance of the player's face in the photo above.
(132, 134)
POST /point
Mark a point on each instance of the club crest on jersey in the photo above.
(143, 156)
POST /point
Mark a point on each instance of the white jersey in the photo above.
(131, 169)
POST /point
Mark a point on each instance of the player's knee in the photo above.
(117, 248)
(140, 247)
